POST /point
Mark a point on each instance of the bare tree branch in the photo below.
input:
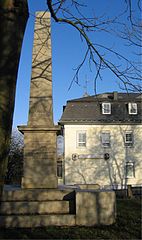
(127, 71)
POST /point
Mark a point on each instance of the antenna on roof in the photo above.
(85, 87)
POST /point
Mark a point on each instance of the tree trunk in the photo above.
(13, 18)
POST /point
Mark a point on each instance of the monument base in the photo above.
(49, 182)
(57, 207)
(40, 161)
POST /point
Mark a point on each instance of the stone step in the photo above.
(29, 221)
(37, 195)
(35, 207)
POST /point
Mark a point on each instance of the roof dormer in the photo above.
(106, 108)
(132, 108)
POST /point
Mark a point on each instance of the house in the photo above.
(103, 140)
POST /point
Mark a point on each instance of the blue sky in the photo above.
(67, 50)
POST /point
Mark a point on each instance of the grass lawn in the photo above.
(127, 226)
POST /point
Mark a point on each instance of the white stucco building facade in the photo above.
(103, 141)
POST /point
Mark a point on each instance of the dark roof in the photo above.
(89, 109)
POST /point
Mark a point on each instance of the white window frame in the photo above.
(105, 141)
(81, 143)
(132, 108)
(130, 164)
(129, 142)
(106, 108)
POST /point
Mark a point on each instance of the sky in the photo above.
(67, 49)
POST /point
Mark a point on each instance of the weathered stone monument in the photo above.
(40, 133)
(39, 202)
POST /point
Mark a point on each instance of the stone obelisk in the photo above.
(40, 133)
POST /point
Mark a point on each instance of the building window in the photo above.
(130, 171)
(132, 107)
(59, 169)
(81, 139)
(128, 139)
(105, 136)
(106, 108)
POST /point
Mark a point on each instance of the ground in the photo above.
(127, 226)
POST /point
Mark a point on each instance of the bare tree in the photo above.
(101, 56)
(15, 159)
(13, 18)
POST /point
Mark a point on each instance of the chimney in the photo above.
(115, 95)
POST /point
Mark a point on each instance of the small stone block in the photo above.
(95, 207)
